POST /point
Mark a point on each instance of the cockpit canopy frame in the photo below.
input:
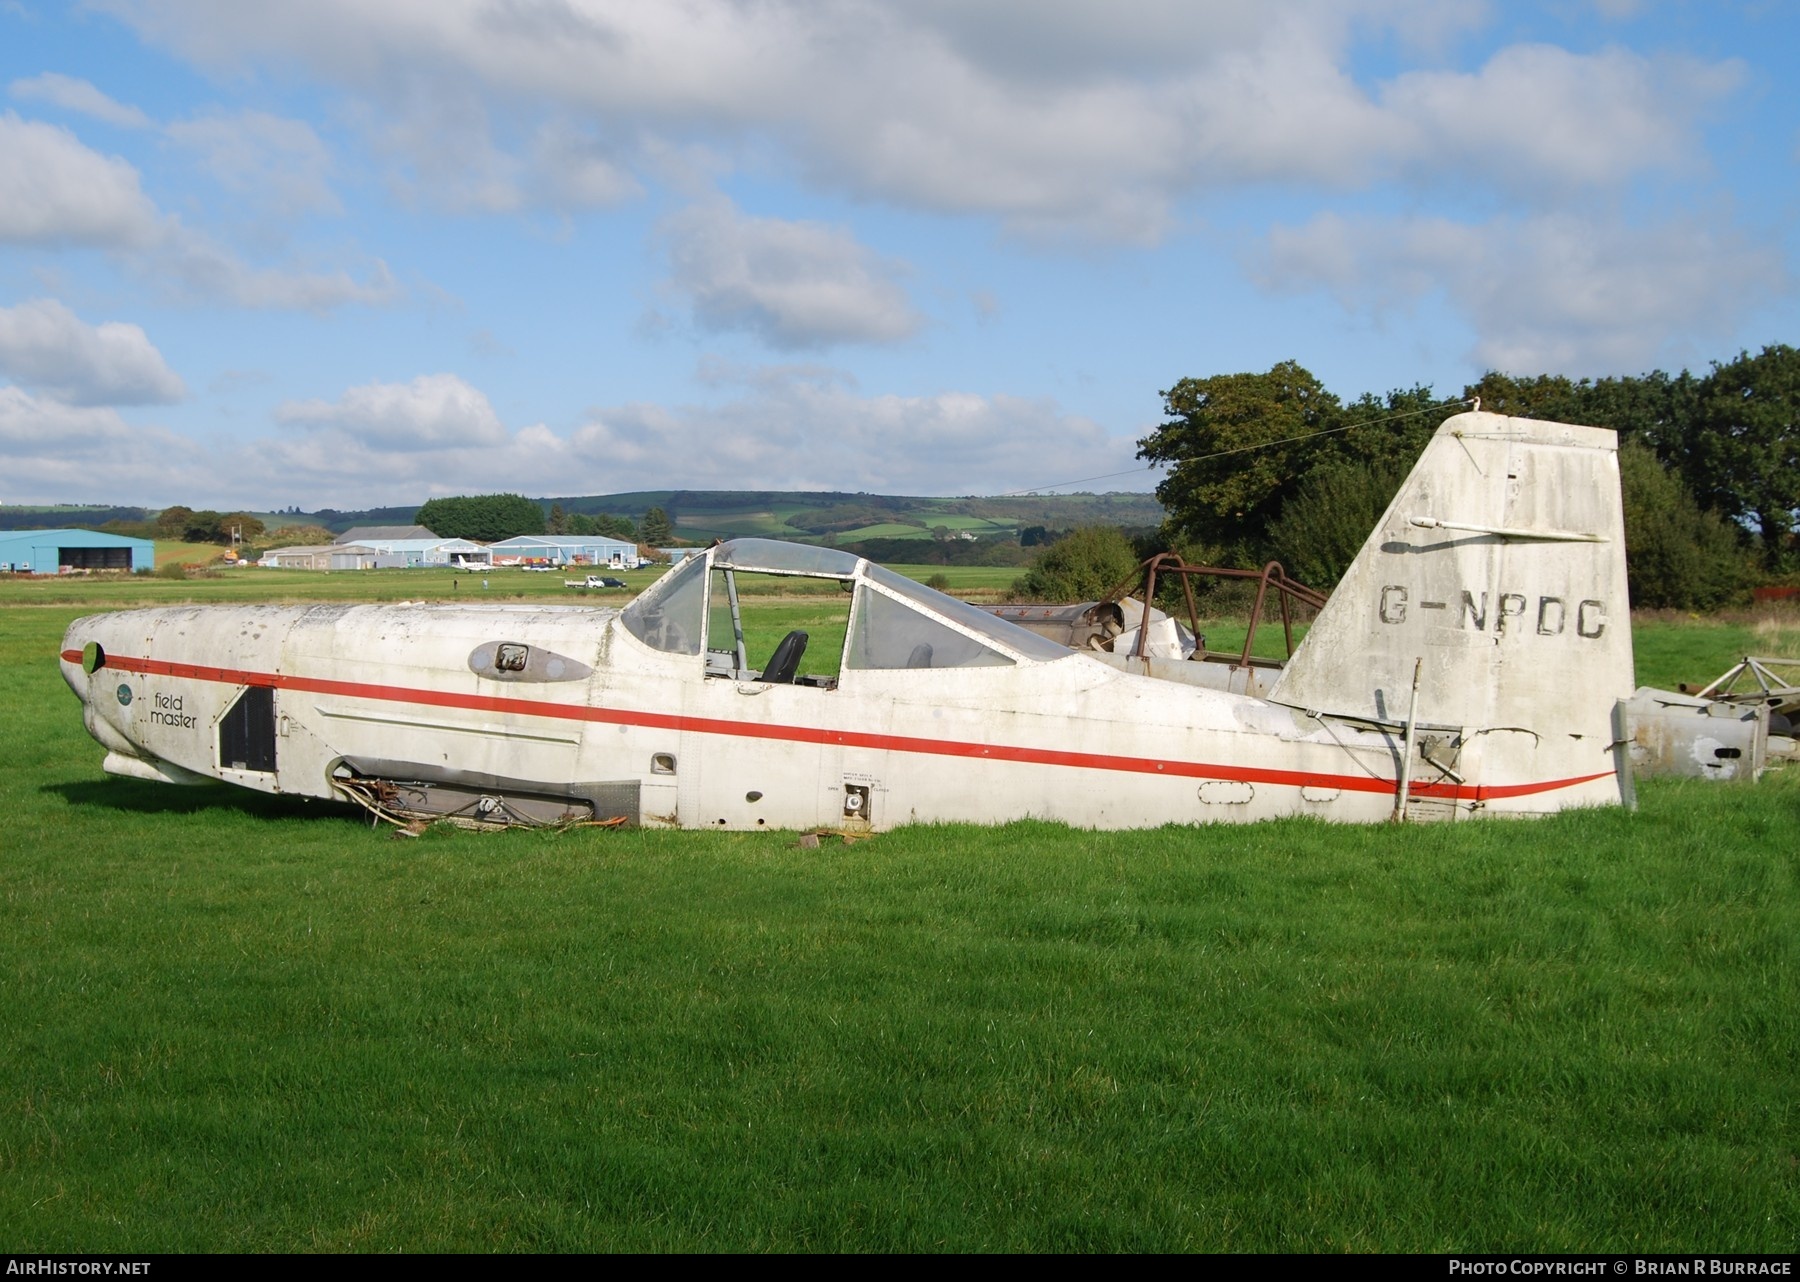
(895, 623)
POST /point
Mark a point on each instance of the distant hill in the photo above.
(65, 516)
(812, 516)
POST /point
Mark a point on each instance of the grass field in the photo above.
(231, 1022)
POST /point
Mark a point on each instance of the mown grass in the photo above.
(230, 1022)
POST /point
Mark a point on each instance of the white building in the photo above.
(565, 549)
(410, 546)
(328, 556)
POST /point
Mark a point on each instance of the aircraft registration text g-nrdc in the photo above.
(1511, 610)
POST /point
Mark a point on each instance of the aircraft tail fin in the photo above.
(1498, 575)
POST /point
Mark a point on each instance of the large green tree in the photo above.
(486, 518)
(1659, 409)
(1745, 458)
(1677, 555)
(173, 522)
(1080, 566)
(1327, 521)
(1237, 445)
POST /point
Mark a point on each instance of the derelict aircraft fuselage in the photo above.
(1473, 661)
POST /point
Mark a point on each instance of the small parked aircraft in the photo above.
(1474, 661)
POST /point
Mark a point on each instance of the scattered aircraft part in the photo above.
(1773, 686)
(930, 709)
(1735, 727)
(1105, 627)
(1110, 626)
(1289, 594)
(1684, 734)
(1090, 625)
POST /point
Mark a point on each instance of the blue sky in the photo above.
(343, 254)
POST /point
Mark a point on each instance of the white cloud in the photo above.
(46, 347)
(794, 284)
(194, 264)
(811, 429)
(1057, 118)
(783, 427)
(28, 424)
(80, 96)
(1557, 293)
(438, 137)
(274, 161)
(796, 427)
(1537, 115)
(57, 452)
(432, 412)
(574, 170)
(55, 191)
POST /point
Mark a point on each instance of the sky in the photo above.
(343, 254)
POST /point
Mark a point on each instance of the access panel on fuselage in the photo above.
(247, 732)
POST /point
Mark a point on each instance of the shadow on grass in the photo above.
(145, 798)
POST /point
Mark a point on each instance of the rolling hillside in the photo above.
(810, 516)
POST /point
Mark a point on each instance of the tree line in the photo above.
(1276, 466)
(490, 518)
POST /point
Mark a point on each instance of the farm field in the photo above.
(232, 1022)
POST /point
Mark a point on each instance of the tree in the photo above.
(559, 520)
(248, 528)
(202, 527)
(172, 522)
(1238, 444)
(1660, 409)
(486, 518)
(657, 531)
(1083, 565)
(300, 536)
(1745, 459)
(1325, 524)
(1383, 435)
(1548, 396)
(1676, 554)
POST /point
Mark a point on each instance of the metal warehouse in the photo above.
(60, 551)
(411, 546)
(565, 549)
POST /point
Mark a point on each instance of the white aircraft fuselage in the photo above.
(1472, 662)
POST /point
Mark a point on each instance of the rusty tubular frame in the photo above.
(1271, 575)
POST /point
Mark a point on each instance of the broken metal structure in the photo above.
(1110, 627)
(1733, 728)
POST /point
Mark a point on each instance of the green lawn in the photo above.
(230, 1022)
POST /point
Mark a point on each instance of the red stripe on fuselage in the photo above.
(811, 734)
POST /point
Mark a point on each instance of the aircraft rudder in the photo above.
(1499, 570)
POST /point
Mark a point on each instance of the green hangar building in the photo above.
(60, 551)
